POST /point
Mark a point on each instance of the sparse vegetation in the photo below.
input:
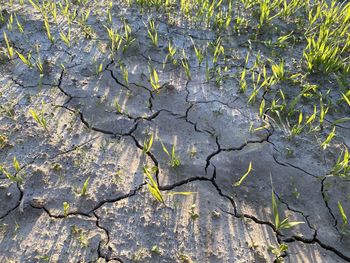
(155, 99)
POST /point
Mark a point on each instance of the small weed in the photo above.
(8, 46)
(285, 223)
(152, 32)
(81, 236)
(342, 167)
(25, 60)
(154, 79)
(174, 159)
(40, 117)
(65, 209)
(85, 187)
(155, 249)
(3, 141)
(17, 178)
(198, 52)
(152, 185)
(147, 144)
(330, 136)
(171, 54)
(250, 168)
(66, 37)
(193, 214)
(278, 252)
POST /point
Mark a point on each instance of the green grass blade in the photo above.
(244, 176)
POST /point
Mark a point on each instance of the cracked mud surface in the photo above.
(118, 220)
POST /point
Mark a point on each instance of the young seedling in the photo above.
(342, 167)
(198, 52)
(3, 141)
(344, 227)
(242, 82)
(48, 31)
(174, 159)
(85, 187)
(152, 32)
(118, 107)
(185, 64)
(147, 144)
(239, 182)
(26, 60)
(40, 118)
(330, 136)
(53, 11)
(278, 71)
(152, 185)
(262, 108)
(39, 64)
(285, 223)
(128, 39)
(99, 68)
(10, 23)
(19, 25)
(125, 72)
(346, 98)
(218, 50)
(171, 54)
(278, 252)
(65, 209)
(115, 39)
(17, 178)
(66, 37)
(193, 214)
(154, 79)
(342, 213)
(9, 48)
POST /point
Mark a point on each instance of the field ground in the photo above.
(120, 144)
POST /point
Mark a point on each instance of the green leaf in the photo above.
(345, 119)
(244, 176)
(342, 212)
(346, 99)
(152, 186)
(11, 177)
(84, 189)
(164, 148)
(182, 193)
(23, 58)
(16, 164)
(286, 224)
(275, 210)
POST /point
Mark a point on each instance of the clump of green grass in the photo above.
(328, 42)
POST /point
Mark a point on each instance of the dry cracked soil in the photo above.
(97, 124)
